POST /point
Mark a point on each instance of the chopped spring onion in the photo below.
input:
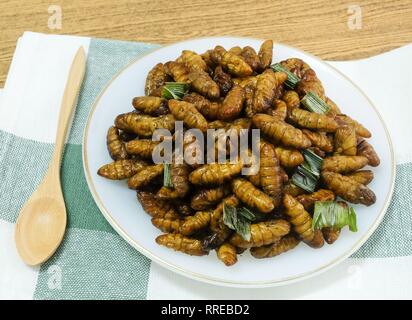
(308, 173)
(334, 215)
(292, 80)
(174, 90)
(314, 104)
(167, 176)
(238, 219)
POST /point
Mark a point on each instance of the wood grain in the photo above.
(318, 26)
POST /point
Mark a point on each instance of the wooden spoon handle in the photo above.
(70, 96)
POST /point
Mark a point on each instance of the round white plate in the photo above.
(121, 209)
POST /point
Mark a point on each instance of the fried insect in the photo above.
(285, 244)
(204, 106)
(265, 54)
(179, 242)
(271, 178)
(155, 207)
(205, 198)
(281, 132)
(236, 50)
(188, 113)
(330, 234)
(365, 149)
(121, 169)
(252, 196)
(223, 80)
(348, 189)
(227, 254)
(308, 200)
(143, 147)
(280, 109)
(232, 104)
(292, 189)
(251, 57)
(207, 58)
(359, 128)
(319, 139)
(262, 233)
(312, 120)
(250, 89)
(334, 109)
(362, 176)
(301, 221)
(145, 176)
(218, 124)
(215, 173)
(266, 86)
(183, 208)
(233, 63)
(192, 61)
(291, 99)
(144, 125)
(345, 141)
(156, 79)
(344, 164)
(167, 225)
(115, 146)
(154, 106)
(194, 223)
(289, 158)
(177, 70)
(202, 83)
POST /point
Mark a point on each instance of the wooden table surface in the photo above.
(318, 26)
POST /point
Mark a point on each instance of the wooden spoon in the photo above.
(41, 223)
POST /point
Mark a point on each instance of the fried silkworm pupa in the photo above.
(345, 141)
(192, 61)
(155, 207)
(115, 146)
(266, 86)
(227, 254)
(194, 223)
(144, 125)
(223, 80)
(280, 131)
(265, 54)
(127, 136)
(310, 83)
(202, 83)
(292, 189)
(179, 242)
(312, 120)
(330, 234)
(301, 221)
(319, 139)
(359, 128)
(252, 196)
(121, 169)
(271, 177)
(206, 107)
(296, 66)
(156, 79)
(308, 200)
(205, 198)
(143, 147)
(344, 164)
(220, 232)
(167, 225)
(348, 189)
(233, 63)
(217, 124)
(285, 244)
(289, 158)
(207, 58)
(251, 57)
(145, 176)
(362, 176)
(262, 233)
(215, 173)
(291, 99)
(280, 109)
(188, 113)
(232, 104)
(154, 106)
(236, 50)
(333, 108)
(365, 149)
(177, 71)
(250, 89)
(183, 208)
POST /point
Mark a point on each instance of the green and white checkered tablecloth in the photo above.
(94, 262)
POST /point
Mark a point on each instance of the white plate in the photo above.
(121, 209)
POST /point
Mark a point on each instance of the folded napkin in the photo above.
(94, 262)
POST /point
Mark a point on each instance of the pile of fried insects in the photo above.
(310, 153)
